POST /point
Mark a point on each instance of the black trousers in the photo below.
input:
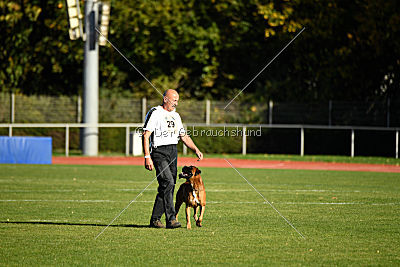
(165, 162)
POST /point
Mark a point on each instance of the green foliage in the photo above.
(184, 44)
(112, 139)
(57, 135)
(176, 44)
(217, 140)
(349, 51)
(37, 56)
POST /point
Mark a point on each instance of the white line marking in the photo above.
(209, 190)
(208, 202)
(255, 189)
(286, 190)
(54, 221)
(59, 200)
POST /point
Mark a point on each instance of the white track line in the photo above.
(59, 200)
(209, 190)
(133, 200)
(266, 200)
(55, 221)
(208, 202)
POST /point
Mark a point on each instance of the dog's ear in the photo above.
(197, 172)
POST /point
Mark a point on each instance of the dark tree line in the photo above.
(350, 50)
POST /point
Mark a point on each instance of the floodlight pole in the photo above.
(91, 80)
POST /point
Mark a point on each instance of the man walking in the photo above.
(161, 132)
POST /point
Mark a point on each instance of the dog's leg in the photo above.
(195, 213)
(202, 209)
(188, 225)
(178, 203)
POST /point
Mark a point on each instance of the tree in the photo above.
(37, 56)
(349, 51)
(203, 47)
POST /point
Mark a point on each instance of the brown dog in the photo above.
(193, 193)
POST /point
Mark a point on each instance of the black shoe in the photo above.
(156, 224)
(173, 224)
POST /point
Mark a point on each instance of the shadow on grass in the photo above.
(79, 224)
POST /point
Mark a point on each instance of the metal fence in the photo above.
(48, 109)
(333, 117)
(131, 126)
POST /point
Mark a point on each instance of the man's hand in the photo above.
(148, 164)
(199, 154)
(189, 143)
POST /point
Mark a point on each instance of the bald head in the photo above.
(170, 92)
(170, 100)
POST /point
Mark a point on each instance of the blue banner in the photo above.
(25, 150)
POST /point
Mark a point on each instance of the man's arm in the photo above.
(190, 144)
(148, 162)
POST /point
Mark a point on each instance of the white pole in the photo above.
(127, 141)
(302, 142)
(244, 143)
(208, 110)
(388, 113)
(352, 143)
(67, 140)
(144, 108)
(12, 113)
(91, 81)
(270, 109)
(79, 109)
(397, 144)
(10, 130)
(184, 149)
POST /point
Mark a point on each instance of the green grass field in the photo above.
(50, 215)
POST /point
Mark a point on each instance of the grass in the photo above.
(50, 215)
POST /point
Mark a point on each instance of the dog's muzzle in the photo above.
(185, 175)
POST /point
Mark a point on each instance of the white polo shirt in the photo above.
(166, 126)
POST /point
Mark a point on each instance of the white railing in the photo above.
(244, 127)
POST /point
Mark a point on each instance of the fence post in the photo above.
(270, 108)
(79, 109)
(144, 108)
(208, 107)
(184, 149)
(330, 113)
(397, 144)
(10, 130)
(127, 141)
(244, 143)
(67, 140)
(352, 143)
(302, 141)
(388, 113)
(12, 107)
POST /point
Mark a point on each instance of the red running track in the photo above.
(237, 163)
